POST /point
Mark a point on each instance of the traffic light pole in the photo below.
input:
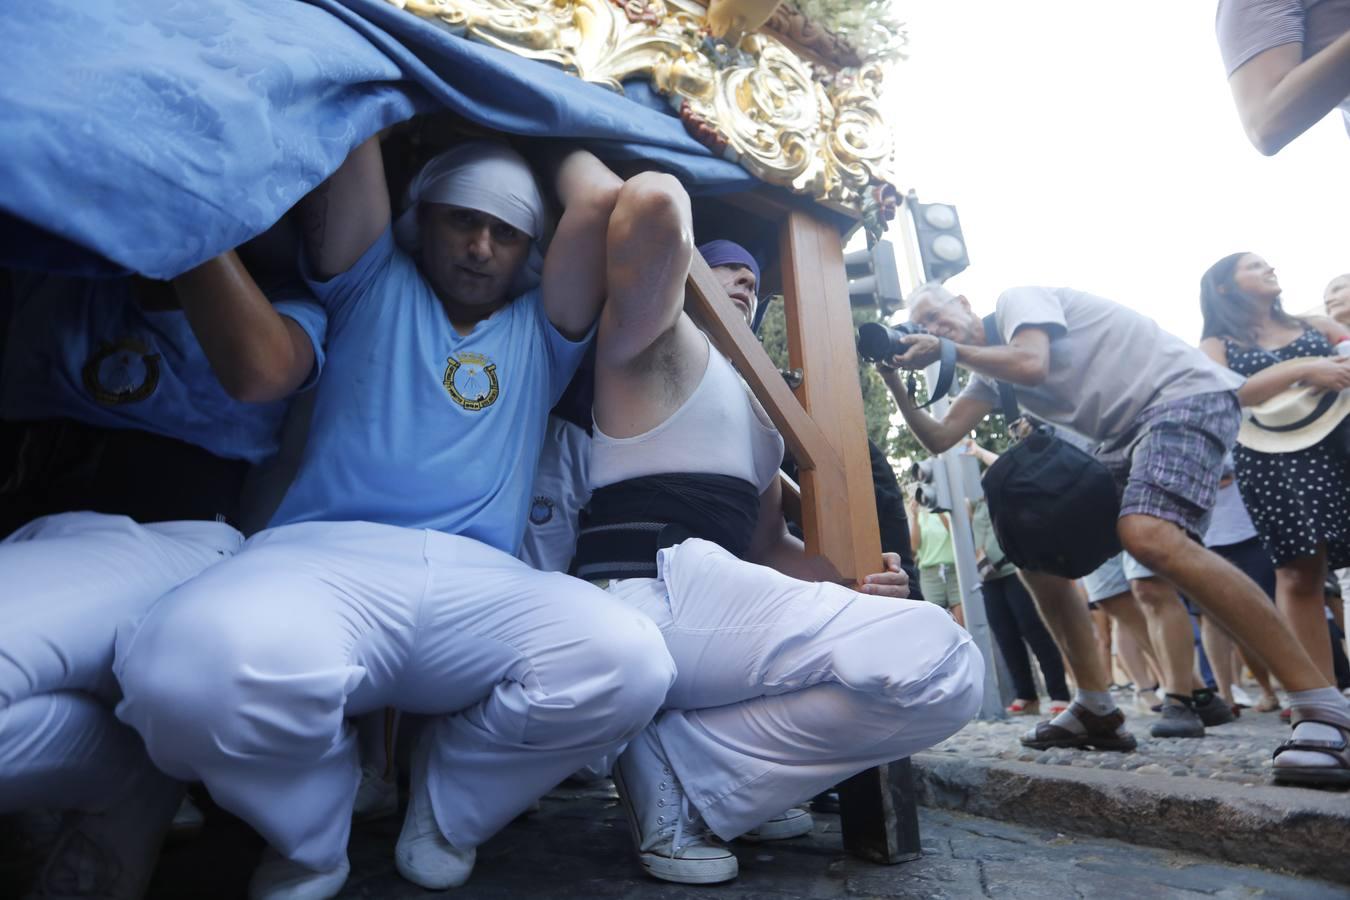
(967, 573)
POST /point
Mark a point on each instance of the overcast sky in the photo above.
(1095, 144)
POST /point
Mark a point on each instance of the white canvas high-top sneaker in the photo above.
(673, 842)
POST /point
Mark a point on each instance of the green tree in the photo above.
(878, 407)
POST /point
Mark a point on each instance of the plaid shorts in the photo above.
(1168, 466)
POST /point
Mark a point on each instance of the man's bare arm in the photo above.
(257, 354)
(650, 244)
(936, 435)
(774, 546)
(573, 286)
(1024, 360)
(342, 217)
(1280, 95)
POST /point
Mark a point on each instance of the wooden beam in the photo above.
(879, 814)
(707, 302)
(839, 515)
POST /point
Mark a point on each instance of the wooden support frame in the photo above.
(825, 429)
(823, 424)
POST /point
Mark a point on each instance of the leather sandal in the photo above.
(1099, 732)
(1339, 750)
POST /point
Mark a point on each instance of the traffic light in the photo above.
(942, 246)
(931, 487)
(873, 278)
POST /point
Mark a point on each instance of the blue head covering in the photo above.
(729, 253)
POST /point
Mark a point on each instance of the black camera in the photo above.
(877, 342)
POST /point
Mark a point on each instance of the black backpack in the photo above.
(1053, 506)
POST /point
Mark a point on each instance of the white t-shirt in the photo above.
(1108, 363)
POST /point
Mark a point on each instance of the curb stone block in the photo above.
(1295, 829)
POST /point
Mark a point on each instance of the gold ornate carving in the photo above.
(792, 23)
(786, 121)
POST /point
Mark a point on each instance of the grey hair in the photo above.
(936, 289)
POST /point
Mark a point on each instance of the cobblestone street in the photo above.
(577, 846)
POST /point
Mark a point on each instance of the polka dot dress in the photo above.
(1297, 500)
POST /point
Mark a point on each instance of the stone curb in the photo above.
(1294, 829)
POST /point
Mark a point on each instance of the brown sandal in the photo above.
(1100, 732)
(1323, 776)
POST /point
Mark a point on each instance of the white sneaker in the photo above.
(279, 878)
(423, 855)
(674, 844)
(790, 823)
(376, 796)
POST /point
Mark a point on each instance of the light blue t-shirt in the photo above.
(417, 425)
(83, 349)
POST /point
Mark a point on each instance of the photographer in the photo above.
(1164, 415)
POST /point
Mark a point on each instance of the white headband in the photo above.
(486, 176)
(481, 175)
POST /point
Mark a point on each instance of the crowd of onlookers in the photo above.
(1282, 516)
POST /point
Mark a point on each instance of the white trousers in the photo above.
(786, 687)
(243, 678)
(66, 583)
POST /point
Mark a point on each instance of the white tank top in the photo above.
(720, 430)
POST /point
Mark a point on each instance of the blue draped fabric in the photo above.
(151, 135)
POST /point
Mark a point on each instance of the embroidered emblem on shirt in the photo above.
(122, 371)
(471, 379)
(541, 511)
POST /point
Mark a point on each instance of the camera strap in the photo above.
(1007, 398)
(946, 373)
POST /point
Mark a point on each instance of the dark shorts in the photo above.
(1169, 465)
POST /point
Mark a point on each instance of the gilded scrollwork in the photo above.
(788, 121)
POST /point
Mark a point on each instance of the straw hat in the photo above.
(1294, 419)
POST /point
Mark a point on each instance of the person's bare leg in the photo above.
(957, 615)
(1129, 616)
(1101, 625)
(1299, 595)
(1169, 630)
(1219, 648)
(1270, 701)
(1066, 616)
(1222, 591)
(1092, 721)
(1237, 604)
(1132, 659)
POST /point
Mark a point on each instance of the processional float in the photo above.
(225, 114)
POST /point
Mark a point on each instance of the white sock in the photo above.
(1324, 700)
(1097, 702)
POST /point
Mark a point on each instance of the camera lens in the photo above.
(874, 341)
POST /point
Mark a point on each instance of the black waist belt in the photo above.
(627, 523)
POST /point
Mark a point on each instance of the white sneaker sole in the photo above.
(690, 871)
(679, 871)
(780, 830)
